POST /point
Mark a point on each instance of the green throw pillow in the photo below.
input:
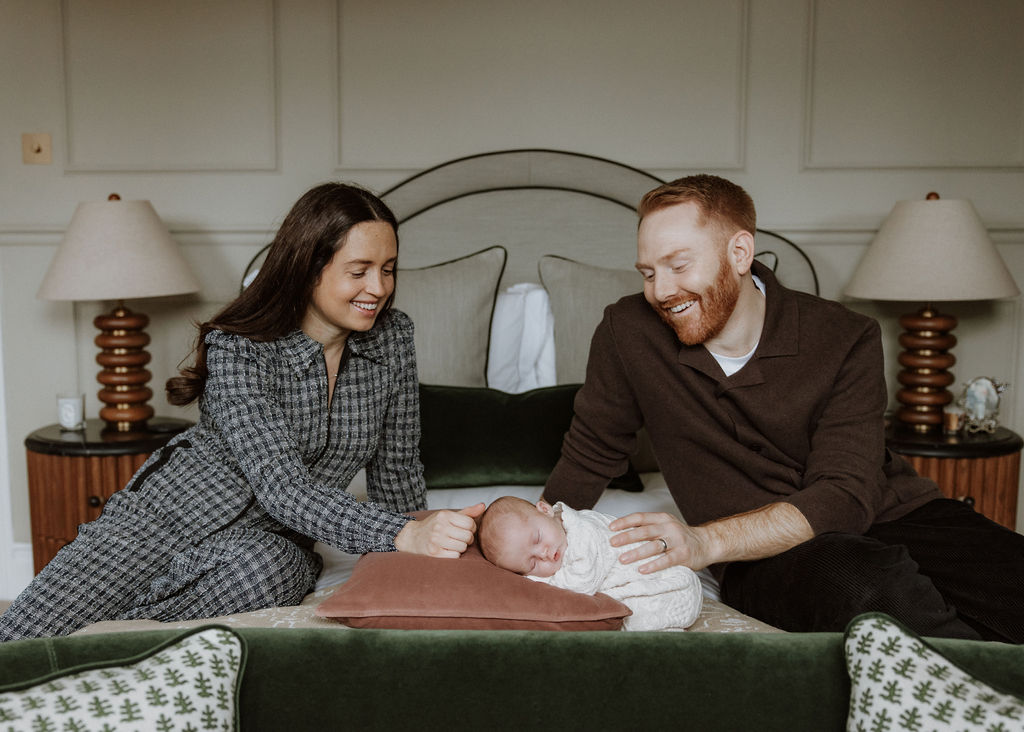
(899, 682)
(188, 683)
(479, 436)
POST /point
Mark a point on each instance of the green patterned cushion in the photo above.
(899, 682)
(188, 683)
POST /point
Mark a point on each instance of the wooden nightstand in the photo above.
(72, 474)
(982, 469)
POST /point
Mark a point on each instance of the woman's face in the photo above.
(355, 284)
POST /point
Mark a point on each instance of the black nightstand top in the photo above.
(96, 439)
(960, 445)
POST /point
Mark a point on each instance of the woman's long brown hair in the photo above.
(274, 304)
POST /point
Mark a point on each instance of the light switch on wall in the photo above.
(36, 148)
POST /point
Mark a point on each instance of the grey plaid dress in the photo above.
(223, 518)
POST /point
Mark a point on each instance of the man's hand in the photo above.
(441, 534)
(763, 532)
(682, 544)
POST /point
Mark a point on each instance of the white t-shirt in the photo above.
(731, 364)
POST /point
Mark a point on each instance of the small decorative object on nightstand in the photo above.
(980, 402)
(72, 474)
(981, 468)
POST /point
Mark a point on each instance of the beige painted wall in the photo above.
(221, 114)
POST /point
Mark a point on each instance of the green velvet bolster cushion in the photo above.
(478, 436)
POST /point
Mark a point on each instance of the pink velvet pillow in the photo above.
(411, 591)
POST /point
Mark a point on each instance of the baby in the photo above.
(570, 549)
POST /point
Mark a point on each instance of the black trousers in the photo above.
(943, 570)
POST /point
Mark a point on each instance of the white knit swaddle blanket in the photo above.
(669, 598)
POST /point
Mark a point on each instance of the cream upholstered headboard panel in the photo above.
(536, 202)
(532, 202)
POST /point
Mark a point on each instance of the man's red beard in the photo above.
(716, 304)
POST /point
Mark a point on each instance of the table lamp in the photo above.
(118, 250)
(930, 250)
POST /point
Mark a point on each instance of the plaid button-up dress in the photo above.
(223, 518)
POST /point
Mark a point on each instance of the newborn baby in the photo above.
(569, 549)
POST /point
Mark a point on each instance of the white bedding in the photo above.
(521, 354)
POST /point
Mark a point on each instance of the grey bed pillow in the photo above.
(578, 294)
(450, 304)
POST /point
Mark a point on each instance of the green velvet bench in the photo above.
(320, 679)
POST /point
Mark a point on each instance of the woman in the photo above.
(307, 377)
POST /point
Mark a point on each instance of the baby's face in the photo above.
(536, 544)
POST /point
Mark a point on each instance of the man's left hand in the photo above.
(763, 532)
(668, 540)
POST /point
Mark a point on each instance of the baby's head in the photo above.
(523, 537)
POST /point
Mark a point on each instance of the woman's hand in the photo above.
(664, 537)
(441, 534)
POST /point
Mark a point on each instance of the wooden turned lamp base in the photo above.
(925, 361)
(122, 355)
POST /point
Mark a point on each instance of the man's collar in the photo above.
(779, 334)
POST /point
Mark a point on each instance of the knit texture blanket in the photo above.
(668, 598)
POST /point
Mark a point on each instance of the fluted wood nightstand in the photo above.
(72, 474)
(982, 469)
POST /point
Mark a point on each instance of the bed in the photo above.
(506, 261)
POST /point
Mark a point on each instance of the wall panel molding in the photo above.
(902, 85)
(257, 236)
(534, 74)
(186, 86)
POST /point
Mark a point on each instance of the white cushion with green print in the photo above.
(899, 682)
(188, 683)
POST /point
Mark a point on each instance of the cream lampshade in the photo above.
(932, 251)
(119, 250)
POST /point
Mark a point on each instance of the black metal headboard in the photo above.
(536, 202)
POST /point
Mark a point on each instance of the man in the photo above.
(765, 411)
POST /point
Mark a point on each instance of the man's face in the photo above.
(688, 276)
